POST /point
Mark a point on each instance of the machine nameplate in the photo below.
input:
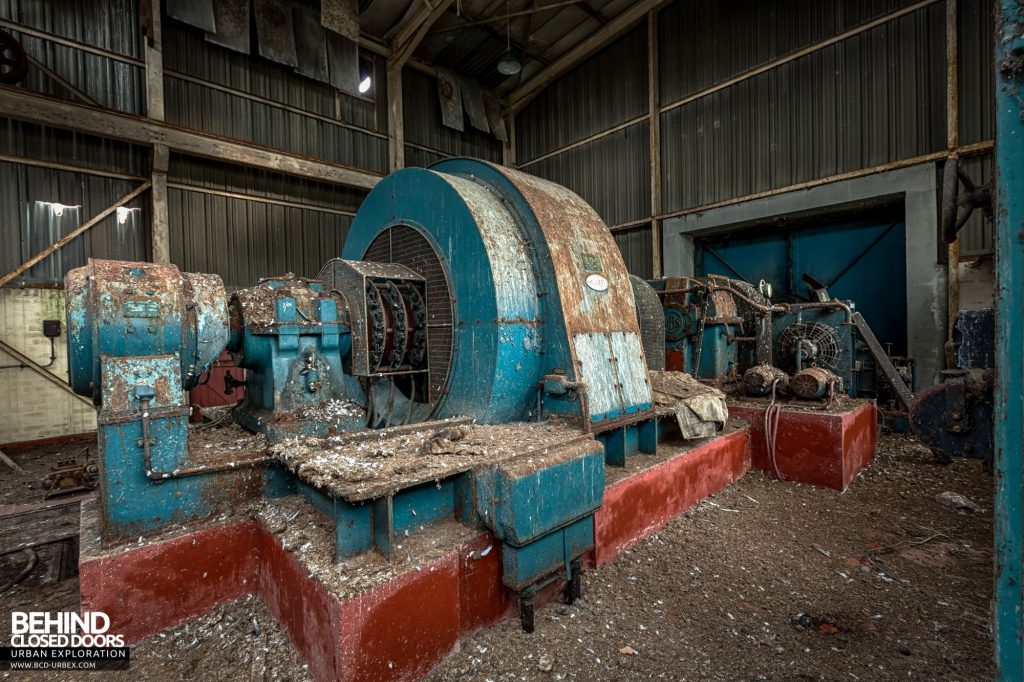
(141, 309)
(597, 282)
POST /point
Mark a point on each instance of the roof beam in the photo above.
(415, 29)
(525, 93)
(26, 106)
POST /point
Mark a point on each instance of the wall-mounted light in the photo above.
(123, 213)
(365, 76)
(56, 208)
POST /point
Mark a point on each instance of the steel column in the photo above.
(1009, 407)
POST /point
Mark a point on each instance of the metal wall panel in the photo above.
(976, 75)
(607, 90)
(111, 26)
(612, 173)
(704, 42)
(29, 223)
(635, 245)
(243, 240)
(423, 125)
(874, 98)
(186, 51)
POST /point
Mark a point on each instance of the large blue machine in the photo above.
(463, 290)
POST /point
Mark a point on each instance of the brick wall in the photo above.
(30, 406)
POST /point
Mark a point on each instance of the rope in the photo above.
(771, 429)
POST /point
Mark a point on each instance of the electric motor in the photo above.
(759, 379)
(813, 383)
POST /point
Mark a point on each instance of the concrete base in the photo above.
(399, 629)
(820, 448)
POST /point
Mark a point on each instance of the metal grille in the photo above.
(406, 245)
(651, 316)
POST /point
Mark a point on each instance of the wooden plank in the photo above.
(39, 527)
(84, 227)
(40, 370)
(415, 29)
(161, 230)
(33, 108)
(396, 121)
(522, 95)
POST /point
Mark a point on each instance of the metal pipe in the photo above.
(159, 476)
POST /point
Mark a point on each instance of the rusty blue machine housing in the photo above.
(730, 332)
(140, 336)
(465, 291)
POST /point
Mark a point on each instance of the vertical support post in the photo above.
(154, 60)
(153, 49)
(161, 224)
(654, 139)
(508, 150)
(952, 142)
(1009, 398)
(396, 120)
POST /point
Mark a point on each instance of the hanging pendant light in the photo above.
(509, 64)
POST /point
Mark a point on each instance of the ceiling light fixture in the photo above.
(509, 64)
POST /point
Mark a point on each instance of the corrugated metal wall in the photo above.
(875, 97)
(427, 139)
(237, 222)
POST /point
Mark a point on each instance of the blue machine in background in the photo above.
(464, 290)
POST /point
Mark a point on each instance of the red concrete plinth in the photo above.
(640, 505)
(399, 629)
(821, 448)
(149, 587)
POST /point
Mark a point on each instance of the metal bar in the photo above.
(252, 197)
(92, 222)
(52, 38)
(525, 93)
(586, 140)
(859, 256)
(59, 80)
(35, 108)
(966, 150)
(654, 139)
(273, 103)
(38, 369)
(803, 52)
(726, 263)
(882, 358)
(69, 168)
(512, 15)
(952, 138)
(1009, 391)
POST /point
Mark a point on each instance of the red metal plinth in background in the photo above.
(636, 507)
(827, 449)
(398, 630)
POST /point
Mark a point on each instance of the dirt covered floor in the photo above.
(780, 581)
(765, 581)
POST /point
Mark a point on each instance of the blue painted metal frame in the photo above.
(1009, 404)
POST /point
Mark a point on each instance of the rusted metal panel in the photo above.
(232, 22)
(276, 31)
(449, 90)
(341, 16)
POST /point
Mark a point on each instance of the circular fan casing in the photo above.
(807, 344)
